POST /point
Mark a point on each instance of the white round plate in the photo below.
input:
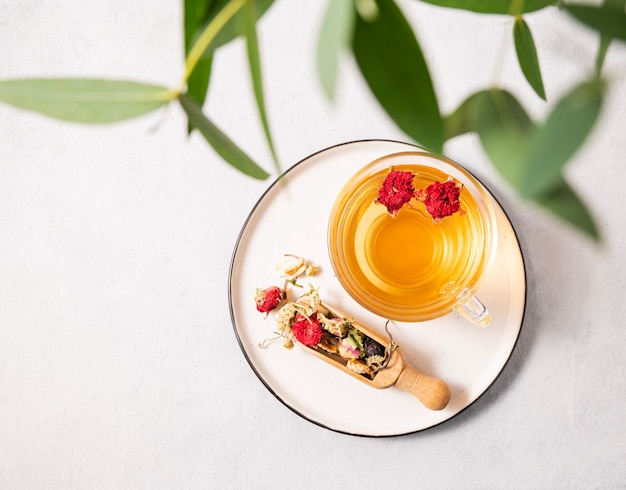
(292, 217)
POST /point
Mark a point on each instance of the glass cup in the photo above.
(409, 267)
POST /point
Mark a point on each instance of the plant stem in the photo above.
(209, 33)
(602, 49)
(516, 7)
(605, 39)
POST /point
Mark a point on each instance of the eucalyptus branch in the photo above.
(208, 35)
(388, 54)
(605, 39)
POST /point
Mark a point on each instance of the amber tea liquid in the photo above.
(410, 265)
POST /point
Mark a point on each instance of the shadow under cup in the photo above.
(408, 267)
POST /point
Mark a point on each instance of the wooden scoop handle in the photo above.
(432, 392)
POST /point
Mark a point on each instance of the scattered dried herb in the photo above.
(269, 298)
(293, 266)
(314, 326)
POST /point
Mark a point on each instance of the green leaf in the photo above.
(554, 143)
(527, 56)
(335, 35)
(224, 147)
(462, 120)
(85, 100)
(507, 135)
(394, 67)
(565, 204)
(504, 129)
(513, 7)
(207, 35)
(235, 27)
(605, 39)
(198, 83)
(195, 14)
(254, 61)
(609, 18)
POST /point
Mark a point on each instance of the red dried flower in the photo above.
(441, 198)
(268, 299)
(307, 331)
(396, 190)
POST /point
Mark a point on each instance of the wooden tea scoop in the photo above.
(432, 392)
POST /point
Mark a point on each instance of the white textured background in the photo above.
(118, 363)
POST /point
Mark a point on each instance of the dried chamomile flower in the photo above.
(285, 316)
(311, 269)
(358, 366)
(313, 300)
(293, 266)
(287, 313)
(336, 326)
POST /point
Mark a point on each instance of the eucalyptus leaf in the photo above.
(223, 145)
(335, 35)
(391, 60)
(609, 18)
(563, 202)
(84, 100)
(509, 137)
(504, 129)
(527, 56)
(556, 141)
(605, 39)
(513, 7)
(195, 14)
(198, 82)
(207, 34)
(254, 61)
(462, 120)
(235, 27)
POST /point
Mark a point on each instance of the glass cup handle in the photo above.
(475, 311)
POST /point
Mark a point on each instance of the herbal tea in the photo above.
(408, 266)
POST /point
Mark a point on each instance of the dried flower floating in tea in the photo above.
(396, 190)
(441, 198)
